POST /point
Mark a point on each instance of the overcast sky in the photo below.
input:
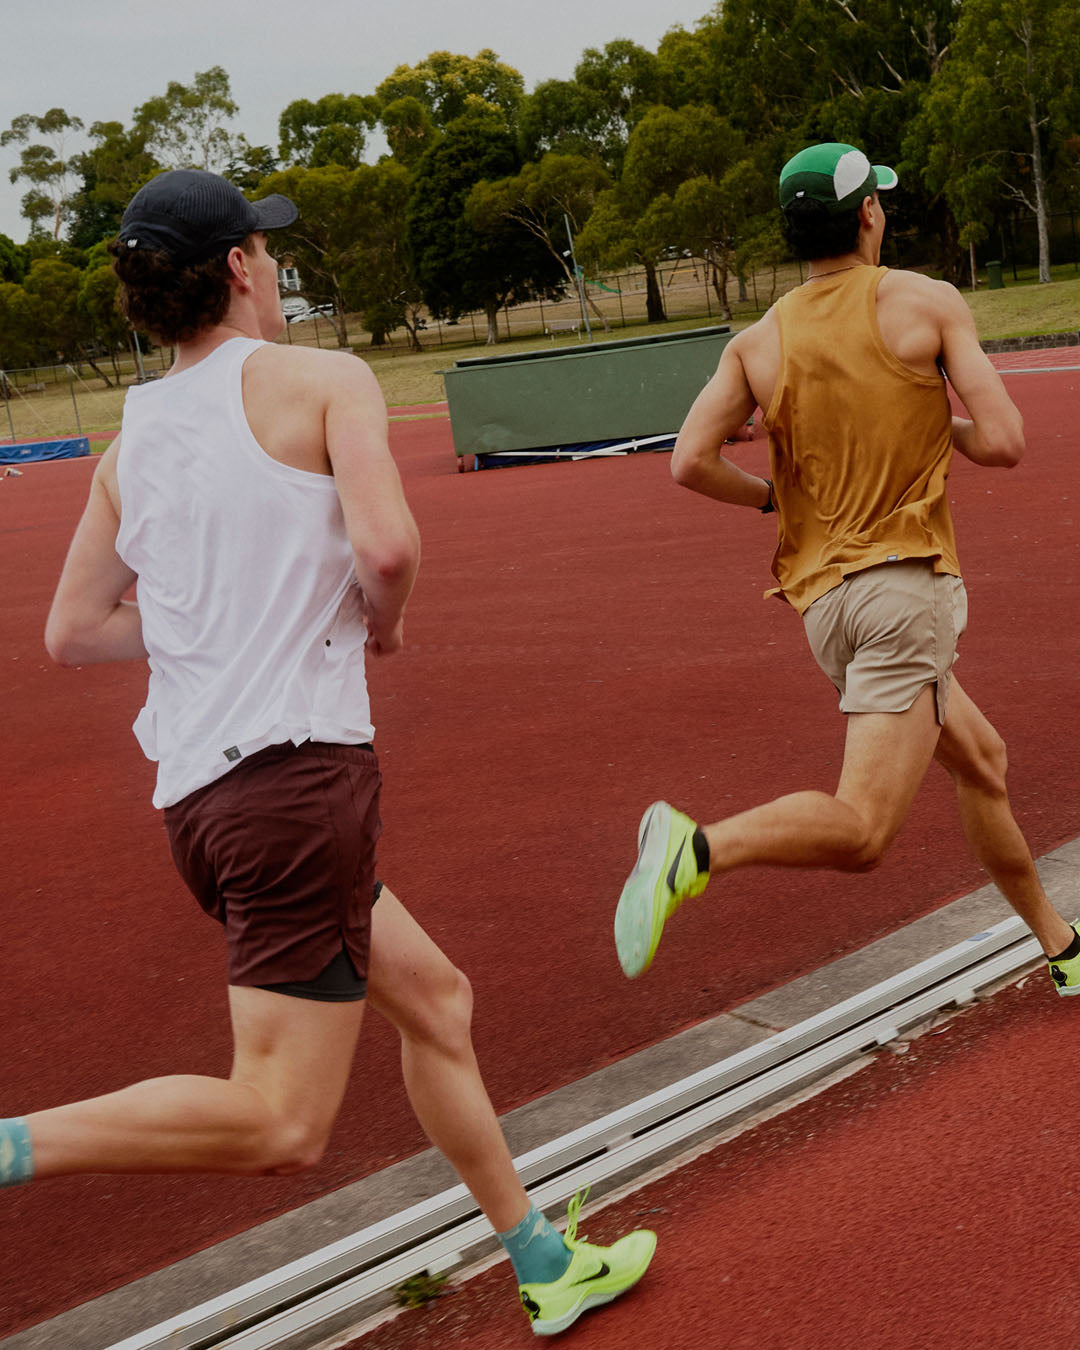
(100, 60)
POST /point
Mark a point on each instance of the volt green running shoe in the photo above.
(595, 1275)
(1065, 970)
(665, 874)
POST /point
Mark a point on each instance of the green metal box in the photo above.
(603, 391)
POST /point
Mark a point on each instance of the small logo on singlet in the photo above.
(232, 754)
(893, 557)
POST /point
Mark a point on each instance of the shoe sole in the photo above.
(556, 1325)
(639, 920)
(1067, 993)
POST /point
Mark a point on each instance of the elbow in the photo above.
(61, 642)
(1013, 452)
(399, 558)
(1006, 452)
(392, 561)
(1003, 444)
(394, 566)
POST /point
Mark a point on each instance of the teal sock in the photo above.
(537, 1251)
(16, 1152)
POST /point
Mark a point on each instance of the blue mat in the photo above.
(28, 451)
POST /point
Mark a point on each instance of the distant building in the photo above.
(287, 274)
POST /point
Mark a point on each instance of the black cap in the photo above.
(191, 214)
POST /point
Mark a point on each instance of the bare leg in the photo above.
(429, 1001)
(974, 754)
(272, 1116)
(886, 756)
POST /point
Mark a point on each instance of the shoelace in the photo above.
(573, 1209)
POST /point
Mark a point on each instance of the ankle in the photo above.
(536, 1249)
(16, 1152)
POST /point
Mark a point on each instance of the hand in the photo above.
(385, 642)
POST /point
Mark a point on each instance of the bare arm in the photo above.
(383, 534)
(721, 408)
(89, 621)
(993, 434)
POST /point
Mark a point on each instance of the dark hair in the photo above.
(812, 231)
(169, 300)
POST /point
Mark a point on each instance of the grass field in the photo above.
(1023, 308)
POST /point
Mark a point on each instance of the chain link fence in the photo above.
(44, 403)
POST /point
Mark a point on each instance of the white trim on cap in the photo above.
(852, 170)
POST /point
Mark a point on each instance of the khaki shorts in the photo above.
(885, 633)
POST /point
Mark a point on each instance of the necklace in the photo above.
(818, 275)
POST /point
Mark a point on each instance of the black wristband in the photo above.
(769, 504)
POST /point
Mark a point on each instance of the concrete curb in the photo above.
(1039, 342)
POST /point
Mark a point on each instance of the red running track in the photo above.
(927, 1201)
(583, 638)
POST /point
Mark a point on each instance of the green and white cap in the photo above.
(836, 175)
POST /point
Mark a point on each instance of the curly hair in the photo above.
(169, 300)
(813, 232)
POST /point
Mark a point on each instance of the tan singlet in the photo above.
(859, 444)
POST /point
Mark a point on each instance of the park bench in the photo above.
(561, 326)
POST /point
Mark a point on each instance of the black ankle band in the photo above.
(1073, 949)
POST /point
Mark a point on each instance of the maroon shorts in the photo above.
(281, 851)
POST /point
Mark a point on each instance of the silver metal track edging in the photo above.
(432, 1234)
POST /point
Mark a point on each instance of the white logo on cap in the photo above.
(852, 170)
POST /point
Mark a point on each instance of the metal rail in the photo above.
(297, 1300)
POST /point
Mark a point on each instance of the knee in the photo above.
(995, 763)
(986, 766)
(290, 1146)
(442, 1016)
(867, 848)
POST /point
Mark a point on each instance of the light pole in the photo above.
(578, 278)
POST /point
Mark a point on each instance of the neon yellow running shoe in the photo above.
(595, 1275)
(665, 874)
(1065, 972)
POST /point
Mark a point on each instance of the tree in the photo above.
(20, 342)
(952, 142)
(449, 85)
(187, 126)
(567, 118)
(45, 165)
(332, 130)
(774, 65)
(687, 182)
(100, 313)
(249, 164)
(113, 169)
(707, 218)
(617, 235)
(687, 63)
(409, 129)
(1029, 51)
(12, 262)
(457, 268)
(626, 77)
(541, 198)
(54, 286)
(379, 275)
(324, 237)
(593, 114)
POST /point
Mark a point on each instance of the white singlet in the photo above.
(251, 611)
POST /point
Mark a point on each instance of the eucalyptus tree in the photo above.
(45, 165)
